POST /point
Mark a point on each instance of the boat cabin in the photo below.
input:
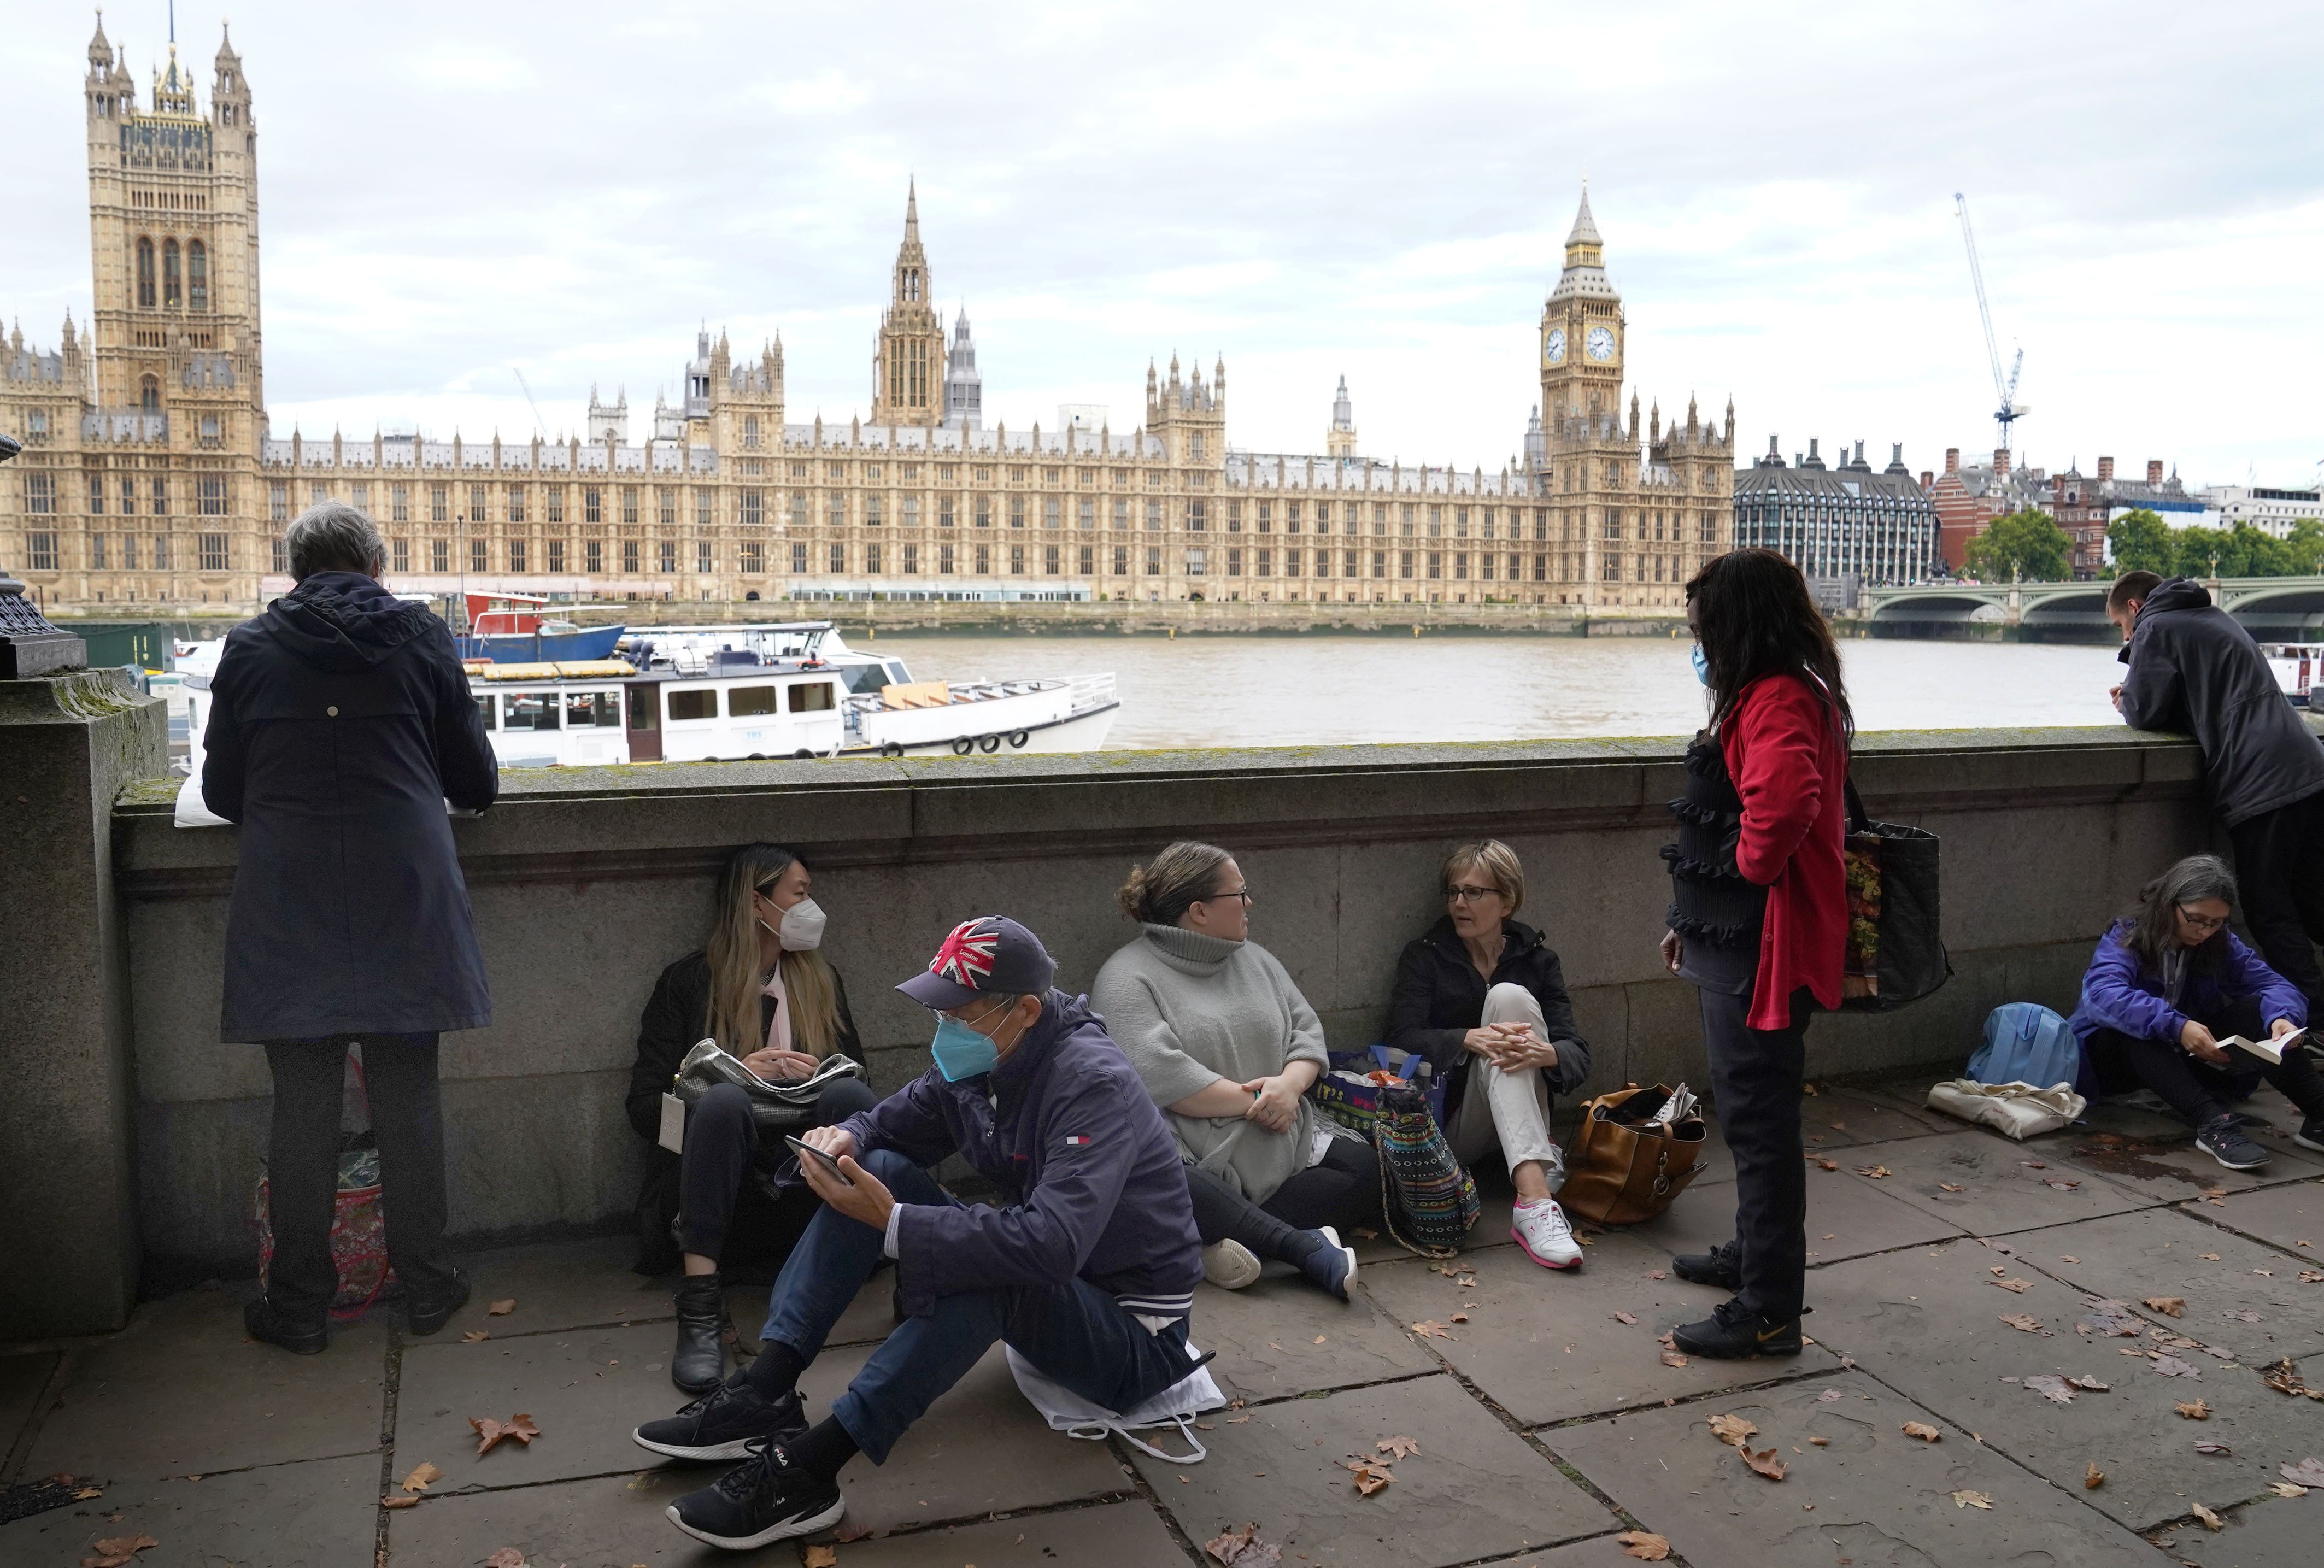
(595, 711)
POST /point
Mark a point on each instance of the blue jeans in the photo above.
(1073, 1332)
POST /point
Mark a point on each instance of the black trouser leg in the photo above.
(302, 1171)
(407, 1119)
(1342, 1191)
(720, 1142)
(2196, 1090)
(2280, 870)
(1224, 1215)
(1754, 1082)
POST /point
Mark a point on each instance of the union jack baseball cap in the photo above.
(990, 954)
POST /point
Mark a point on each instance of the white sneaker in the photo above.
(1228, 1265)
(1541, 1230)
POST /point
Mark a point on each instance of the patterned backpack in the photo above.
(1420, 1180)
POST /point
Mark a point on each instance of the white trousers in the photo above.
(1508, 1110)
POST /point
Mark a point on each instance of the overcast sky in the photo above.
(453, 192)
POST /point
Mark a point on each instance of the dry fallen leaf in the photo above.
(394, 1501)
(2093, 1478)
(2197, 1411)
(2284, 1377)
(852, 1531)
(83, 1494)
(1370, 1475)
(1458, 1317)
(2170, 1366)
(1243, 1549)
(1671, 1358)
(2309, 1471)
(1921, 1430)
(1625, 1317)
(1762, 1462)
(490, 1432)
(1875, 1171)
(2212, 1521)
(2016, 1287)
(114, 1553)
(1644, 1545)
(502, 1308)
(474, 1336)
(2068, 1258)
(819, 1556)
(1398, 1447)
(2209, 1257)
(2311, 1276)
(1952, 1186)
(1732, 1429)
(2284, 1489)
(2024, 1321)
(2168, 1305)
(2063, 1186)
(506, 1557)
(2213, 1448)
(1969, 1499)
(1830, 1396)
(417, 1481)
(1827, 1164)
(2051, 1386)
(1819, 1441)
(1429, 1329)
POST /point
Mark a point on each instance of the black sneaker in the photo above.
(425, 1315)
(305, 1336)
(2225, 1141)
(766, 1498)
(1721, 1265)
(1733, 1331)
(2310, 1134)
(723, 1424)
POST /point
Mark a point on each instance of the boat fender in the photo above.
(1017, 740)
(963, 746)
(891, 749)
(988, 744)
(803, 755)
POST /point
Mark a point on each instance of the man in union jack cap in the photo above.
(1086, 1268)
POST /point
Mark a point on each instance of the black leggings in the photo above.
(1341, 1191)
(725, 1210)
(2195, 1089)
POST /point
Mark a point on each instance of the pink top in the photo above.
(779, 1027)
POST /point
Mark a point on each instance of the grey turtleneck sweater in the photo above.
(1189, 1009)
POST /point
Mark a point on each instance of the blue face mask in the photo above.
(1701, 666)
(961, 1052)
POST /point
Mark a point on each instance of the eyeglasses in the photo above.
(1465, 894)
(2201, 922)
(1243, 893)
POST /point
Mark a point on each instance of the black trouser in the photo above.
(2280, 870)
(2195, 1089)
(302, 1163)
(1756, 1076)
(1342, 1191)
(716, 1181)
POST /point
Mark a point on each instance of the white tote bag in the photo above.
(1176, 1406)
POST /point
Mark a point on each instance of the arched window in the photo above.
(148, 395)
(172, 295)
(198, 276)
(145, 274)
(750, 429)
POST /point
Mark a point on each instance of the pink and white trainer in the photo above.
(1541, 1230)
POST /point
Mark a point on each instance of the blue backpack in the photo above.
(2027, 1043)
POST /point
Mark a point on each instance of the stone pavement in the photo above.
(1546, 1422)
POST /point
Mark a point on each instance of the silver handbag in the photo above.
(778, 1108)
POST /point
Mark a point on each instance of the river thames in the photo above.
(1326, 690)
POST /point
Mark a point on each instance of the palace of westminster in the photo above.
(151, 482)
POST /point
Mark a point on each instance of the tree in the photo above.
(2027, 545)
(2143, 542)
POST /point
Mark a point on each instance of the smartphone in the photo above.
(808, 1151)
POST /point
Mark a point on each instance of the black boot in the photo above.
(700, 1363)
(304, 1335)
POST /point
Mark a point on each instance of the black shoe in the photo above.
(766, 1498)
(1733, 1331)
(700, 1363)
(303, 1335)
(423, 1315)
(2225, 1141)
(2310, 1134)
(723, 1423)
(1721, 1265)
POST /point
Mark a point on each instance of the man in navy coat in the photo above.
(340, 726)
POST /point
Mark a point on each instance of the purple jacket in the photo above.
(1091, 1182)
(2119, 992)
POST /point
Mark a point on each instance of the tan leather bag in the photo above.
(1623, 1169)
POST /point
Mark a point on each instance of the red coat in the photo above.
(1785, 752)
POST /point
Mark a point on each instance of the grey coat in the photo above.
(2193, 667)
(340, 724)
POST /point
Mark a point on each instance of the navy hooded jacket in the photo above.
(1091, 1182)
(340, 724)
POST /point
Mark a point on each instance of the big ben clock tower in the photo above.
(1581, 330)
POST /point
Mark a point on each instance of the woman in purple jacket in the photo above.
(2167, 984)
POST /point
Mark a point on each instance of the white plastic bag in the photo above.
(2018, 1110)
(1176, 1406)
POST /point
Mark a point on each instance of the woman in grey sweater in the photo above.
(1228, 1047)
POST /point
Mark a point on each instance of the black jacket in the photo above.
(2194, 668)
(340, 724)
(671, 1025)
(1440, 997)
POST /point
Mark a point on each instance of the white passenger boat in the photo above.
(2295, 665)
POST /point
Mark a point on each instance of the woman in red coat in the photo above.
(1758, 917)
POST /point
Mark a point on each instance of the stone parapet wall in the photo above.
(586, 881)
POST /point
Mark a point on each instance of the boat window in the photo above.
(811, 698)
(641, 708)
(698, 703)
(865, 677)
(489, 704)
(531, 710)
(748, 701)
(897, 674)
(584, 709)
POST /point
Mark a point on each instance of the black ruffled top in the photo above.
(1711, 901)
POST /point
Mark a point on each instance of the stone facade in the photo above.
(1841, 520)
(152, 481)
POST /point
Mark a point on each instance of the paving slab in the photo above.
(585, 1391)
(321, 1513)
(1598, 1552)
(22, 1378)
(1847, 1216)
(2170, 1171)
(1930, 1326)
(1124, 1534)
(2163, 1252)
(2002, 1189)
(1872, 1495)
(2284, 1217)
(183, 1391)
(1474, 1489)
(981, 1449)
(2269, 1533)
(607, 1522)
(1265, 1338)
(2278, 1114)
(870, 1318)
(1842, 1118)
(559, 1285)
(1547, 1346)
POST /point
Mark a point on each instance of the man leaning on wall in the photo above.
(340, 726)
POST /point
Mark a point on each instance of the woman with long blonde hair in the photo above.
(762, 988)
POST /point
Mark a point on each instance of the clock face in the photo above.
(1552, 351)
(1601, 344)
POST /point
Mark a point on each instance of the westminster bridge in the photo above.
(2272, 609)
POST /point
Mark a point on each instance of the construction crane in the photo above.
(2009, 409)
(544, 428)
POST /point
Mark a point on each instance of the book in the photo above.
(2268, 1051)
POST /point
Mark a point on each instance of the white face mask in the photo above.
(802, 927)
